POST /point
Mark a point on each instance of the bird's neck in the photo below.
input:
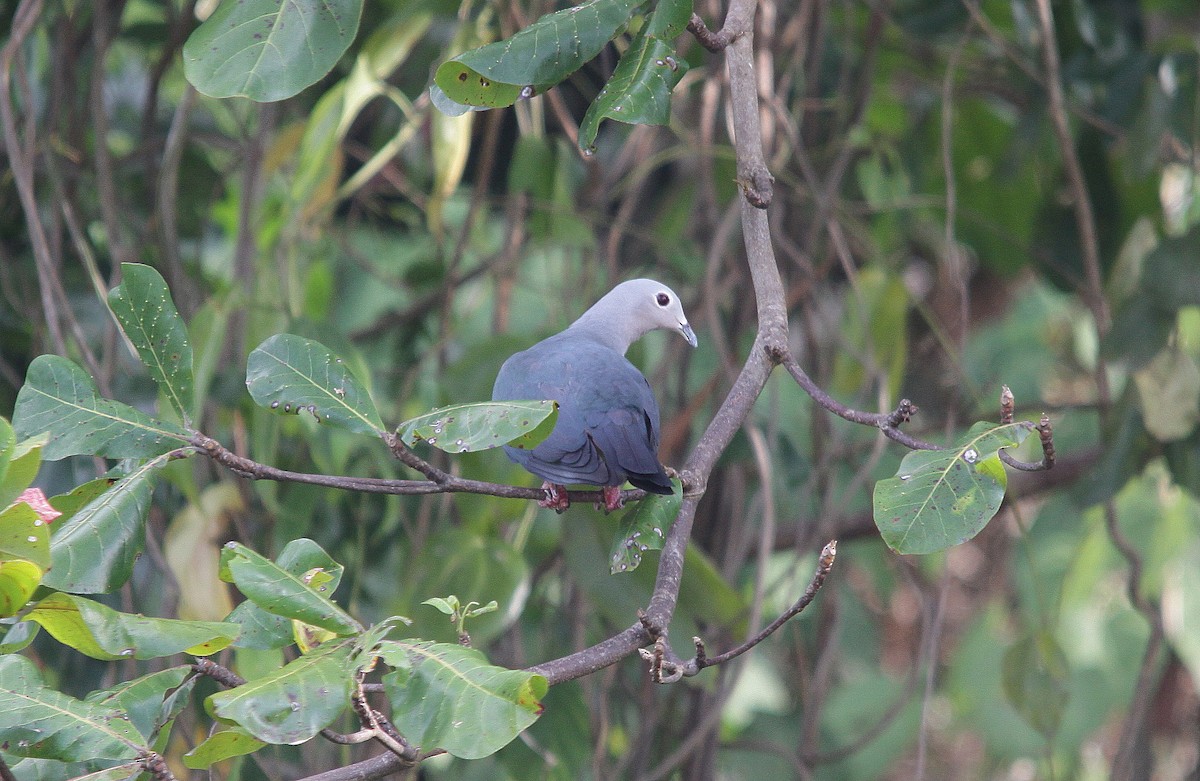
(605, 324)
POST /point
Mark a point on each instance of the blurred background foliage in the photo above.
(926, 234)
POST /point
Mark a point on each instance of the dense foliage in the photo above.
(268, 245)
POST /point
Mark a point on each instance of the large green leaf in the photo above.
(142, 304)
(639, 91)
(447, 696)
(537, 57)
(266, 50)
(102, 633)
(295, 702)
(941, 498)
(299, 596)
(39, 722)
(463, 428)
(644, 528)
(289, 373)
(60, 399)
(142, 698)
(92, 549)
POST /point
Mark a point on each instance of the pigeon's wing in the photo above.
(607, 429)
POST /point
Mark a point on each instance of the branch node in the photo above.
(1046, 434)
(701, 654)
(758, 187)
(1007, 405)
(714, 42)
(902, 414)
(222, 675)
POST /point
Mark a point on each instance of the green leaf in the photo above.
(142, 698)
(1171, 276)
(1169, 391)
(941, 498)
(442, 605)
(60, 399)
(295, 702)
(282, 592)
(18, 636)
(219, 746)
(142, 304)
(540, 56)
(266, 50)
(447, 696)
(639, 91)
(1035, 675)
(19, 466)
(262, 630)
(294, 374)
(39, 722)
(471, 88)
(465, 428)
(92, 549)
(102, 633)
(670, 19)
(644, 528)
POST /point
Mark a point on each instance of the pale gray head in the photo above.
(632, 309)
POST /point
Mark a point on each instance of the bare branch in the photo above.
(824, 565)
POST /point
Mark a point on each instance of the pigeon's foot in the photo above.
(556, 497)
(612, 498)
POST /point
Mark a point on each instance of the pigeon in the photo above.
(607, 428)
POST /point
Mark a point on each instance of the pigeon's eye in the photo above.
(663, 299)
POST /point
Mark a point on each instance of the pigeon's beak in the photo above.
(688, 333)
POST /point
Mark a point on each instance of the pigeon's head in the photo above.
(639, 306)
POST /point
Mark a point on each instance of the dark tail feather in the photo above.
(655, 484)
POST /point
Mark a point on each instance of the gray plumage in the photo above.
(607, 430)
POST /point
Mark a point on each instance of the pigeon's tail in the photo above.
(655, 484)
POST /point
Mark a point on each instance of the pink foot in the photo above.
(556, 497)
(612, 497)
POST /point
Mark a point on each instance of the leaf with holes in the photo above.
(644, 528)
(143, 306)
(467, 87)
(300, 596)
(100, 632)
(639, 91)
(540, 56)
(289, 373)
(450, 697)
(266, 50)
(60, 399)
(941, 498)
(39, 722)
(294, 703)
(464, 428)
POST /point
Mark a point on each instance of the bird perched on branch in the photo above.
(607, 428)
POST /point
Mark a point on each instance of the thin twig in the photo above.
(824, 565)
(1085, 220)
